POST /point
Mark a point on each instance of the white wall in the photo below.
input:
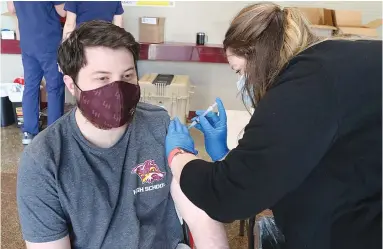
(182, 23)
(187, 18)
(213, 17)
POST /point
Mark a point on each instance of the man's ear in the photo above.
(69, 84)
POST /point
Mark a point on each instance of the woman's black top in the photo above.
(312, 153)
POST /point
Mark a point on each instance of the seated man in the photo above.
(98, 177)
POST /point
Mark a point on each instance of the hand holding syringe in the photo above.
(214, 128)
(209, 109)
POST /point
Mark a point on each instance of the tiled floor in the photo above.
(10, 153)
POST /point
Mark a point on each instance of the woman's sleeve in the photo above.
(119, 9)
(71, 6)
(289, 133)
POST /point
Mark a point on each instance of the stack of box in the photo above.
(350, 23)
(326, 22)
(171, 92)
(151, 29)
(321, 21)
(16, 23)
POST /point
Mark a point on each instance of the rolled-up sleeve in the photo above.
(71, 6)
(290, 131)
(119, 9)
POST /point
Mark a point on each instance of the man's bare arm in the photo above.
(63, 243)
(11, 7)
(118, 20)
(60, 10)
(207, 233)
(70, 24)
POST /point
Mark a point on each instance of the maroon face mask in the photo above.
(110, 106)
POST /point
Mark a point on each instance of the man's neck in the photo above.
(100, 138)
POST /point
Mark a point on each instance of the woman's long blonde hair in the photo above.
(268, 37)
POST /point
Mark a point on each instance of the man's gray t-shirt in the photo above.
(117, 197)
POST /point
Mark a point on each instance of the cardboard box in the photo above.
(318, 16)
(347, 18)
(354, 31)
(321, 21)
(349, 23)
(151, 29)
(16, 21)
(323, 31)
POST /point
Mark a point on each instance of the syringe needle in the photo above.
(209, 109)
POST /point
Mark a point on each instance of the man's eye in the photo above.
(103, 78)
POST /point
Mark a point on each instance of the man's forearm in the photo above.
(63, 243)
(11, 7)
(68, 28)
(118, 20)
(207, 233)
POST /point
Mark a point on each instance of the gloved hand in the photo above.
(179, 137)
(214, 128)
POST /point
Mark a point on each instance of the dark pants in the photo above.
(36, 65)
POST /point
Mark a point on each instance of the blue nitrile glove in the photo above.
(179, 137)
(214, 128)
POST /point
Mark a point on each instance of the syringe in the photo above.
(209, 109)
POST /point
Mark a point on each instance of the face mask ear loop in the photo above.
(77, 85)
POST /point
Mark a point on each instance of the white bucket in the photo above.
(15, 92)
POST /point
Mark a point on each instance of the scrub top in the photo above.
(94, 10)
(39, 25)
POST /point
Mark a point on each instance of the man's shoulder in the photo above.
(48, 142)
(154, 115)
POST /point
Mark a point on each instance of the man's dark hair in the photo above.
(71, 53)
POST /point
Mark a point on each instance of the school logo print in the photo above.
(149, 172)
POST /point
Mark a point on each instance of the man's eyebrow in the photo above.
(105, 72)
(130, 68)
(101, 72)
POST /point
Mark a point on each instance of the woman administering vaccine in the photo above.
(312, 151)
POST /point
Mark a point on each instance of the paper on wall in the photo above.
(149, 20)
(145, 3)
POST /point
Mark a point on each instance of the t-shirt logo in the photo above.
(149, 172)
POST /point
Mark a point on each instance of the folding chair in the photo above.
(188, 239)
(249, 225)
(253, 233)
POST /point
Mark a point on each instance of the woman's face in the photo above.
(236, 63)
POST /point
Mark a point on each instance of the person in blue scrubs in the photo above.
(40, 37)
(84, 11)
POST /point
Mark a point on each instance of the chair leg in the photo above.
(250, 233)
(187, 235)
(242, 228)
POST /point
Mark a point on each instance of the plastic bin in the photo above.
(266, 233)
(174, 96)
(15, 93)
(6, 110)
